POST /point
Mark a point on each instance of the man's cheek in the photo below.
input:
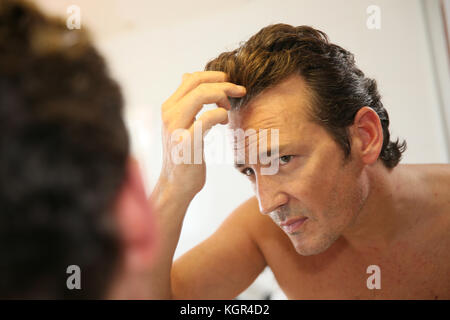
(310, 188)
(313, 197)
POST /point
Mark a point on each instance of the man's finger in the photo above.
(207, 93)
(192, 80)
(210, 118)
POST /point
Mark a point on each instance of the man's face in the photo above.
(315, 193)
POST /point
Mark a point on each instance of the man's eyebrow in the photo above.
(267, 153)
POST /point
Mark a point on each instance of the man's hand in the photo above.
(180, 182)
(179, 112)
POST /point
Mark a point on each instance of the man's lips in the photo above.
(292, 225)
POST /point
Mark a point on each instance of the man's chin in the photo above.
(310, 248)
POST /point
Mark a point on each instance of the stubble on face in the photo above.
(322, 229)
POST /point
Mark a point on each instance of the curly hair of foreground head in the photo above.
(63, 153)
(338, 87)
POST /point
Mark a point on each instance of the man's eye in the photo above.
(248, 172)
(285, 159)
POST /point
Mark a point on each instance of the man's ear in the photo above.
(367, 135)
(135, 220)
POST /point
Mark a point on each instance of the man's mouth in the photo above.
(292, 225)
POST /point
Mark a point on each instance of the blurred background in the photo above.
(149, 44)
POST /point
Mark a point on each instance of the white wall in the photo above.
(150, 44)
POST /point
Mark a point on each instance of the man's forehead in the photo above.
(283, 106)
(267, 142)
(277, 117)
(270, 129)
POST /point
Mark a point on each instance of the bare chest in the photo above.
(405, 272)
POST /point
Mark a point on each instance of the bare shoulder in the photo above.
(440, 171)
(435, 179)
(436, 172)
(224, 264)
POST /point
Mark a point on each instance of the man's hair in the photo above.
(337, 86)
(63, 153)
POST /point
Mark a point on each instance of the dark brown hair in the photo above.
(338, 87)
(63, 153)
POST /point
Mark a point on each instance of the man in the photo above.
(72, 203)
(340, 205)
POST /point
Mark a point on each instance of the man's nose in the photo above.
(269, 194)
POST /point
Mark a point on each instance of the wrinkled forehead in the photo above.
(284, 105)
(263, 133)
(277, 117)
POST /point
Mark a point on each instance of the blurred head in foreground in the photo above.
(69, 192)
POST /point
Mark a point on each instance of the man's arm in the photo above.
(223, 265)
(180, 181)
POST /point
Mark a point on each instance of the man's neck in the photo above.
(386, 213)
